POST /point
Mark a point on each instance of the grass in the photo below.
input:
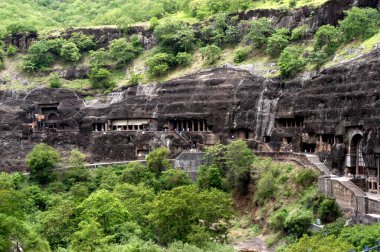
(278, 4)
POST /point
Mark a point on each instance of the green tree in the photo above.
(70, 52)
(183, 58)
(38, 56)
(291, 61)
(160, 63)
(318, 243)
(157, 160)
(209, 177)
(82, 41)
(259, 32)
(327, 39)
(211, 53)
(329, 210)
(99, 58)
(134, 79)
(298, 221)
(299, 33)
(101, 78)
(77, 158)
(104, 208)
(175, 37)
(90, 237)
(123, 51)
(277, 42)
(41, 162)
(136, 173)
(173, 212)
(172, 178)
(360, 23)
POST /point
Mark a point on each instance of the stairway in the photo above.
(314, 159)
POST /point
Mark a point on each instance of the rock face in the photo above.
(335, 113)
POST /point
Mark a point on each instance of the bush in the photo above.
(123, 51)
(329, 210)
(153, 23)
(41, 162)
(360, 23)
(157, 161)
(259, 32)
(134, 79)
(241, 54)
(175, 37)
(183, 58)
(211, 53)
(101, 78)
(11, 50)
(70, 52)
(277, 42)
(82, 41)
(98, 59)
(265, 188)
(292, 3)
(277, 219)
(327, 39)
(298, 222)
(173, 178)
(55, 81)
(306, 177)
(209, 177)
(299, 33)
(20, 27)
(38, 56)
(160, 63)
(291, 61)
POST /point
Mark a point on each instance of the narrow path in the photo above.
(314, 159)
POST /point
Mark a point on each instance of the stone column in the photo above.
(192, 125)
(204, 125)
(199, 125)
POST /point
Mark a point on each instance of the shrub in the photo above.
(101, 78)
(55, 45)
(11, 50)
(134, 79)
(70, 52)
(20, 27)
(159, 64)
(183, 58)
(209, 177)
(299, 33)
(241, 54)
(329, 210)
(82, 41)
(298, 222)
(153, 23)
(277, 219)
(360, 23)
(318, 58)
(265, 188)
(327, 39)
(41, 161)
(277, 42)
(175, 36)
(172, 178)
(55, 81)
(259, 32)
(123, 51)
(306, 177)
(98, 58)
(38, 56)
(291, 61)
(157, 160)
(211, 53)
(292, 3)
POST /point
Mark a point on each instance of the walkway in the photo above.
(314, 159)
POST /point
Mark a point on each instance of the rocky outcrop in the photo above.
(21, 40)
(324, 113)
(328, 13)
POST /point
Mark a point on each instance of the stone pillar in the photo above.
(199, 125)
(204, 125)
(192, 125)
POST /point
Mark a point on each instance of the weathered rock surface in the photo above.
(324, 112)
